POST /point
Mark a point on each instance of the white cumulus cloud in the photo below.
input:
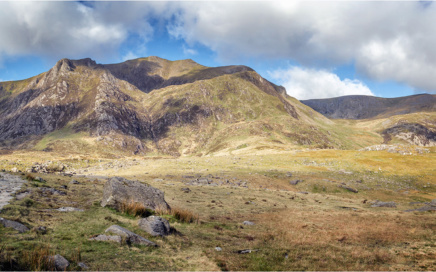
(387, 40)
(304, 83)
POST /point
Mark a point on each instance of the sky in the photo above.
(315, 49)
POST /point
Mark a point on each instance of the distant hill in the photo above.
(366, 107)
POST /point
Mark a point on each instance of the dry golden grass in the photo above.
(135, 209)
(180, 214)
(37, 259)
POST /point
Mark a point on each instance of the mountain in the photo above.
(155, 106)
(365, 107)
(410, 119)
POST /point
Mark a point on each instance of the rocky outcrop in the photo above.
(413, 133)
(119, 191)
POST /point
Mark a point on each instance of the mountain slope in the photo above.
(152, 105)
(365, 107)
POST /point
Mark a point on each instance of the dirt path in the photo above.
(9, 184)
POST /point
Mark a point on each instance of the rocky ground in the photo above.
(9, 184)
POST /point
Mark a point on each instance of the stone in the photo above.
(155, 225)
(69, 209)
(14, 170)
(39, 179)
(59, 262)
(118, 191)
(74, 182)
(106, 238)
(40, 230)
(218, 249)
(83, 266)
(248, 223)
(52, 191)
(186, 190)
(348, 188)
(131, 237)
(288, 174)
(379, 203)
(295, 182)
(13, 224)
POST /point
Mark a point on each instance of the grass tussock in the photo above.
(180, 214)
(135, 209)
(37, 259)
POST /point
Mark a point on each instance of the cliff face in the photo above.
(139, 105)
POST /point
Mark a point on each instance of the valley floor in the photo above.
(311, 209)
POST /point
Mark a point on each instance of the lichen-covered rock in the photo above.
(59, 262)
(131, 237)
(119, 191)
(155, 225)
(12, 224)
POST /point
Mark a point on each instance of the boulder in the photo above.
(155, 225)
(118, 191)
(248, 223)
(106, 238)
(348, 188)
(379, 203)
(131, 237)
(59, 262)
(295, 182)
(12, 224)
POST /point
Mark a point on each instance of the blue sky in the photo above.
(315, 49)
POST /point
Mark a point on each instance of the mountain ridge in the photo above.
(365, 107)
(151, 105)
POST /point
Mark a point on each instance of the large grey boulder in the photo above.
(106, 238)
(12, 224)
(155, 225)
(130, 237)
(118, 191)
(59, 262)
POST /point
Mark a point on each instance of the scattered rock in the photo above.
(295, 182)
(379, 203)
(304, 193)
(218, 249)
(74, 182)
(60, 263)
(40, 230)
(186, 190)
(155, 225)
(248, 223)
(69, 209)
(288, 174)
(245, 251)
(118, 191)
(348, 188)
(22, 195)
(83, 266)
(106, 238)
(39, 179)
(14, 170)
(131, 237)
(52, 191)
(13, 224)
